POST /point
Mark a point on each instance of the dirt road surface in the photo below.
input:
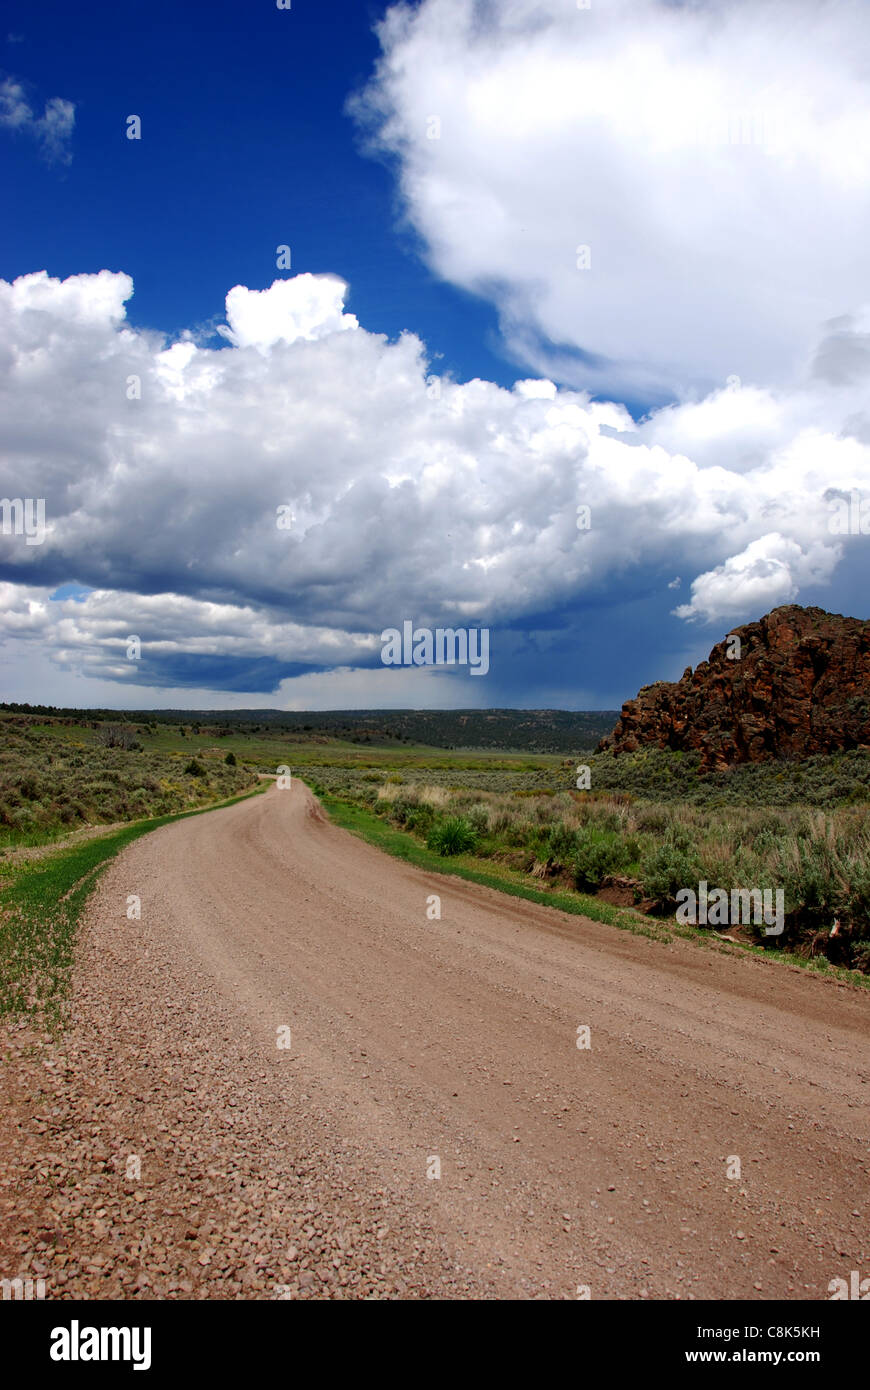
(267, 1072)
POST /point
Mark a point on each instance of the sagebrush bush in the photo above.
(598, 854)
(858, 894)
(561, 845)
(651, 820)
(478, 817)
(666, 869)
(420, 818)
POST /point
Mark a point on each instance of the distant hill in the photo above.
(799, 686)
(514, 730)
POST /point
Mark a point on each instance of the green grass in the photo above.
(41, 904)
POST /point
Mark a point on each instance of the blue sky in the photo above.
(633, 209)
(247, 145)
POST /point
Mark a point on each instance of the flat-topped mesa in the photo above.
(800, 685)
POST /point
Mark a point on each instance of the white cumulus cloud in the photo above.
(678, 191)
(451, 508)
(308, 306)
(764, 575)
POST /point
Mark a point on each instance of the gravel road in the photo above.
(290, 1078)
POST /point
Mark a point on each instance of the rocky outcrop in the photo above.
(796, 683)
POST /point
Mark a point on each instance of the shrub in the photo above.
(816, 887)
(116, 736)
(500, 819)
(561, 845)
(455, 835)
(398, 807)
(420, 818)
(478, 818)
(604, 818)
(861, 957)
(654, 819)
(667, 869)
(230, 759)
(598, 853)
(858, 893)
(194, 769)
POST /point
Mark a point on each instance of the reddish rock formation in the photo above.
(800, 686)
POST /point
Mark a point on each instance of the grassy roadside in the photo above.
(402, 845)
(41, 904)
